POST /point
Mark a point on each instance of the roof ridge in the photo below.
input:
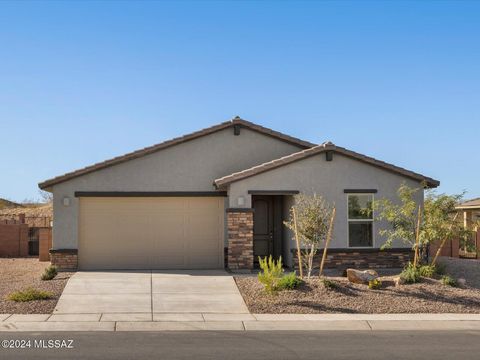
(171, 142)
(328, 145)
(282, 159)
(468, 201)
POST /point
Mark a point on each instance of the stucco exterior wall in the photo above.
(191, 166)
(329, 179)
(287, 234)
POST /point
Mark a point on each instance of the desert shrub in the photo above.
(289, 281)
(29, 295)
(426, 270)
(270, 274)
(410, 274)
(329, 284)
(375, 284)
(49, 273)
(449, 281)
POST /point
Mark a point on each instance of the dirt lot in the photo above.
(22, 273)
(429, 296)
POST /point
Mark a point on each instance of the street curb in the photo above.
(257, 322)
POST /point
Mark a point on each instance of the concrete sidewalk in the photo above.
(237, 322)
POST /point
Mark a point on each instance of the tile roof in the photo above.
(473, 203)
(151, 149)
(327, 146)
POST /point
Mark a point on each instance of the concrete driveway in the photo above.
(151, 295)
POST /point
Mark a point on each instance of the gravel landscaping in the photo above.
(469, 269)
(428, 296)
(22, 273)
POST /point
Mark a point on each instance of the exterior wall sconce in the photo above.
(66, 201)
(240, 201)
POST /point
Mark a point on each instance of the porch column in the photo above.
(240, 238)
(467, 219)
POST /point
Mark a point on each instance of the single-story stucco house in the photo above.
(219, 196)
(470, 216)
(470, 212)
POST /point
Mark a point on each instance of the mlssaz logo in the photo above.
(53, 344)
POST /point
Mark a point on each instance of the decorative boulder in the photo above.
(462, 282)
(361, 277)
(399, 281)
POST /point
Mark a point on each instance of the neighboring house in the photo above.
(470, 212)
(179, 204)
(470, 215)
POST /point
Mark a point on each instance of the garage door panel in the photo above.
(203, 262)
(202, 253)
(169, 262)
(199, 205)
(168, 225)
(168, 248)
(151, 233)
(110, 262)
(203, 226)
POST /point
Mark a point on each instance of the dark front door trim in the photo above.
(273, 192)
(262, 226)
(267, 226)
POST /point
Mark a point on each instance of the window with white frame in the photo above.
(360, 220)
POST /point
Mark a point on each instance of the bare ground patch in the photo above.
(428, 296)
(22, 273)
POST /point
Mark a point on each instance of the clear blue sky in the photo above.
(83, 82)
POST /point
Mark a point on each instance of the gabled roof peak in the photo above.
(151, 149)
(326, 146)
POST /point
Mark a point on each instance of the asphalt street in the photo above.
(276, 345)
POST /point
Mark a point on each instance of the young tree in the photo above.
(441, 219)
(402, 217)
(310, 219)
(418, 227)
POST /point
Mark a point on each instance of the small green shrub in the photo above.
(449, 281)
(410, 274)
(271, 273)
(375, 284)
(289, 281)
(29, 295)
(427, 270)
(440, 269)
(329, 284)
(49, 273)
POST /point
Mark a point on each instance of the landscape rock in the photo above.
(461, 282)
(361, 277)
(399, 281)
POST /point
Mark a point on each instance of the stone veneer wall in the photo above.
(240, 239)
(362, 258)
(64, 259)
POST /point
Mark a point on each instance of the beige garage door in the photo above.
(151, 233)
